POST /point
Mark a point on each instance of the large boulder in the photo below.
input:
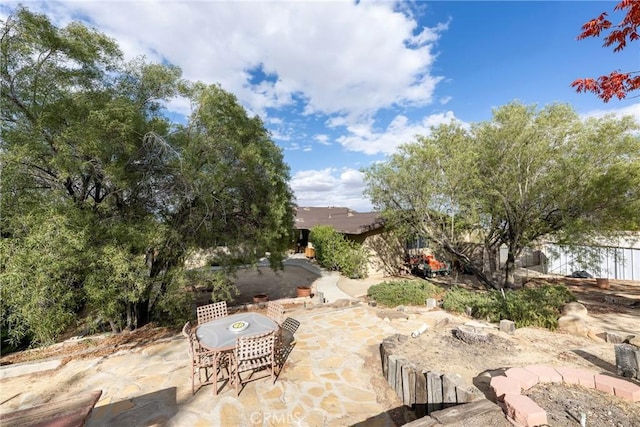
(574, 325)
(575, 309)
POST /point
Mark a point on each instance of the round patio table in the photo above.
(217, 335)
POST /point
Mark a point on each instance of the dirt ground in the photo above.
(612, 310)
(566, 405)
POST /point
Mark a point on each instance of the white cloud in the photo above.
(294, 146)
(363, 138)
(629, 110)
(339, 62)
(179, 105)
(330, 187)
(322, 139)
(337, 57)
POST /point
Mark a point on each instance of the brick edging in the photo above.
(526, 412)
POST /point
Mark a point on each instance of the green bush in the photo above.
(334, 252)
(403, 292)
(538, 306)
(457, 299)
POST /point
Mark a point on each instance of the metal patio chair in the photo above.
(209, 312)
(253, 353)
(285, 341)
(203, 359)
(275, 312)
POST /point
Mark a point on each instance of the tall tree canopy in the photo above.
(103, 196)
(617, 83)
(525, 174)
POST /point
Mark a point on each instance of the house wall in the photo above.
(386, 251)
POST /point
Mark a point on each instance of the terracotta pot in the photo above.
(602, 282)
(303, 291)
(260, 298)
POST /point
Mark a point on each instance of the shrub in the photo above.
(334, 252)
(457, 299)
(526, 307)
(535, 306)
(403, 292)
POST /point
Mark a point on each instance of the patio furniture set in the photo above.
(238, 343)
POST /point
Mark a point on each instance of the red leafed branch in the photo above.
(606, 87)
(617, 83)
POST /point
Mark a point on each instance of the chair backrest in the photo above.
(187, 331)
(209, 312)
(275, 312)
(255, 351)
(290, 325)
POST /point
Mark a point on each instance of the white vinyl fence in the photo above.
(600, 261)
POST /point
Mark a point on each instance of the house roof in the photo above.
(344, 220)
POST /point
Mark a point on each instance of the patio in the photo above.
(332, 377)
(327, 380)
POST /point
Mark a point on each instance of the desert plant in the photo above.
(538, 306)
(460, 300)
(403, 292)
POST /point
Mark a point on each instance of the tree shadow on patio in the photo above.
(148, 409)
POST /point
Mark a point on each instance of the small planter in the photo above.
(310, 252)
(260, 298)
(602, 282)
(303, 291)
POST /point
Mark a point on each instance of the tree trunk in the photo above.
(131, 317)
(509, 270)
(492, 256)
(465, 261)
(114, 327)
(142, 312)
(492, 247)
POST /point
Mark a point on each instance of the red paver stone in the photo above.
(525, 411)
(526, 378)
(577, 376)
(546, 374)
(619, 387)
(502, 385)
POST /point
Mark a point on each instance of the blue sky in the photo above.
(341, 84)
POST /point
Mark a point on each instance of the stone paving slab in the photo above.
(17, 370)
(327, 380)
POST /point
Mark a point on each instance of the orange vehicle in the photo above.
(428, 266)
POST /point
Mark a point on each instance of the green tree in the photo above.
(85, 139)
(42, 274)
(418, 188)
(525, 174)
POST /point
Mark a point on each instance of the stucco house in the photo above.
(366, 228)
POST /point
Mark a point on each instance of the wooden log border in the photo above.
(424, 390)
(628, 360)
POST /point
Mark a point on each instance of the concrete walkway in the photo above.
(326, 284)
(331, 378)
